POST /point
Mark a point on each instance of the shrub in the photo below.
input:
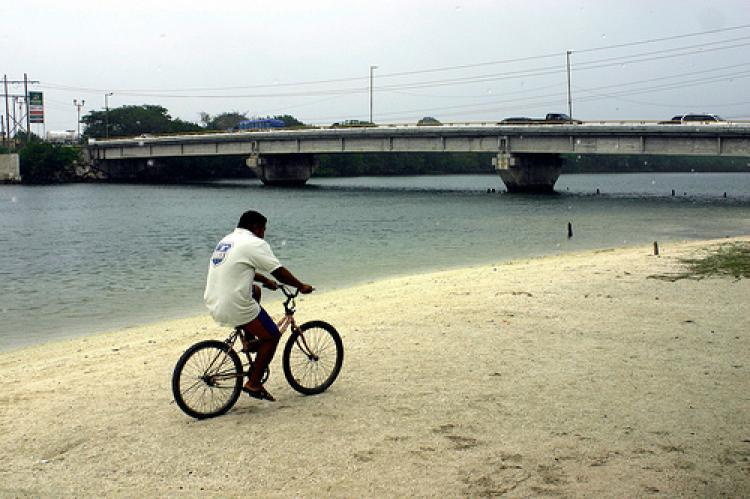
(42, 162)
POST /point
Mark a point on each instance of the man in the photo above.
(230, 298)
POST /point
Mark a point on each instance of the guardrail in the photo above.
(462, 124)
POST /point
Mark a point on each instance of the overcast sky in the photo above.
(472, 60)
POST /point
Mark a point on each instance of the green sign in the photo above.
(35, 99)
(36, 107)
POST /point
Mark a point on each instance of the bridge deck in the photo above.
(725, 139)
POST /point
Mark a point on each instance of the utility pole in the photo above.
(26, 101)
(570, 98)
(106, 112)
(372, 68)
(6, 94)
(7, 114)
(15, 121)
(79, 105)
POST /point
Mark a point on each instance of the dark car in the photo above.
(702, 117)
(352, 124)
(550, 119)
(516, 120)
(428, 121)
(560, 118)
(693, 118)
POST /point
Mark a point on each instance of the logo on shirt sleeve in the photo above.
(220, 253)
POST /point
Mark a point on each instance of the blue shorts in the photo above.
(268, 323)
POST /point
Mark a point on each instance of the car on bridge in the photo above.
(550, 119)
(693, 118)
(260, 124)
(429, 121)
(352, 124)
(516, 120)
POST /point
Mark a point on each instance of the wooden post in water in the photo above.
(570, 230)
(656, 248)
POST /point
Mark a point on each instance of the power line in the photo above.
(683, 83)
(672, 86)
(526, 73)
(700, 48)
(663, 39)
(541, 71)
(159, 93)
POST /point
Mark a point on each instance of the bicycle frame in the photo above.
(283, 324)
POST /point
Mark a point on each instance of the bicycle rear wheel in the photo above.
(207, 379)
(313, 357)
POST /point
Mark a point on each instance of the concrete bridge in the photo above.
(527, 157)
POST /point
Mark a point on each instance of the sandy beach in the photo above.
(575, 375)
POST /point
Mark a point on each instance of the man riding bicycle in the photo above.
(233, 300)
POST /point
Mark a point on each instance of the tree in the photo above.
(289, 121)
(133, 120)
(205, 118)
(223, 121)
(42, 162)
(25, 138)
(180, 126)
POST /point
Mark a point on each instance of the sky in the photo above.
(457, 61)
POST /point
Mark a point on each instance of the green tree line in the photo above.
(129, 121)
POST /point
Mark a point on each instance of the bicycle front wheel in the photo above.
(313, 357)
(207, 379)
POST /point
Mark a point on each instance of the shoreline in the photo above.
(273, 300)
(572, 374)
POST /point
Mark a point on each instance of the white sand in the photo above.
(574, 375)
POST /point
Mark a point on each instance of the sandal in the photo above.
(260, 394)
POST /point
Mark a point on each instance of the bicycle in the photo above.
(208, 378)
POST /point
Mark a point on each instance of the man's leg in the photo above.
(245, 340)
(263, 328)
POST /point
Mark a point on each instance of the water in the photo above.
(83, 258)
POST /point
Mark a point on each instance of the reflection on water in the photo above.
(83, 258)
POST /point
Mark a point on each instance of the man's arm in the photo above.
(266, 282)
(283, 275)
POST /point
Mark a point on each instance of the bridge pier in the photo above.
(282, 169)
(521, 172)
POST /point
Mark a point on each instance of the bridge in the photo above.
(526, 157)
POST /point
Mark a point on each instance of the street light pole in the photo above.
(106, 108)
(78, 106)
(372, 68)
(570, 98)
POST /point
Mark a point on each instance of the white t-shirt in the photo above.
(231, 271)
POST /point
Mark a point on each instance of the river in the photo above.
(84, 258)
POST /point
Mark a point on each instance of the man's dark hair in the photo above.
(251, 220)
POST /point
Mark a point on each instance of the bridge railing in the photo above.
(455, 124)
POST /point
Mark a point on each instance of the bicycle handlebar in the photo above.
(289, 294)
